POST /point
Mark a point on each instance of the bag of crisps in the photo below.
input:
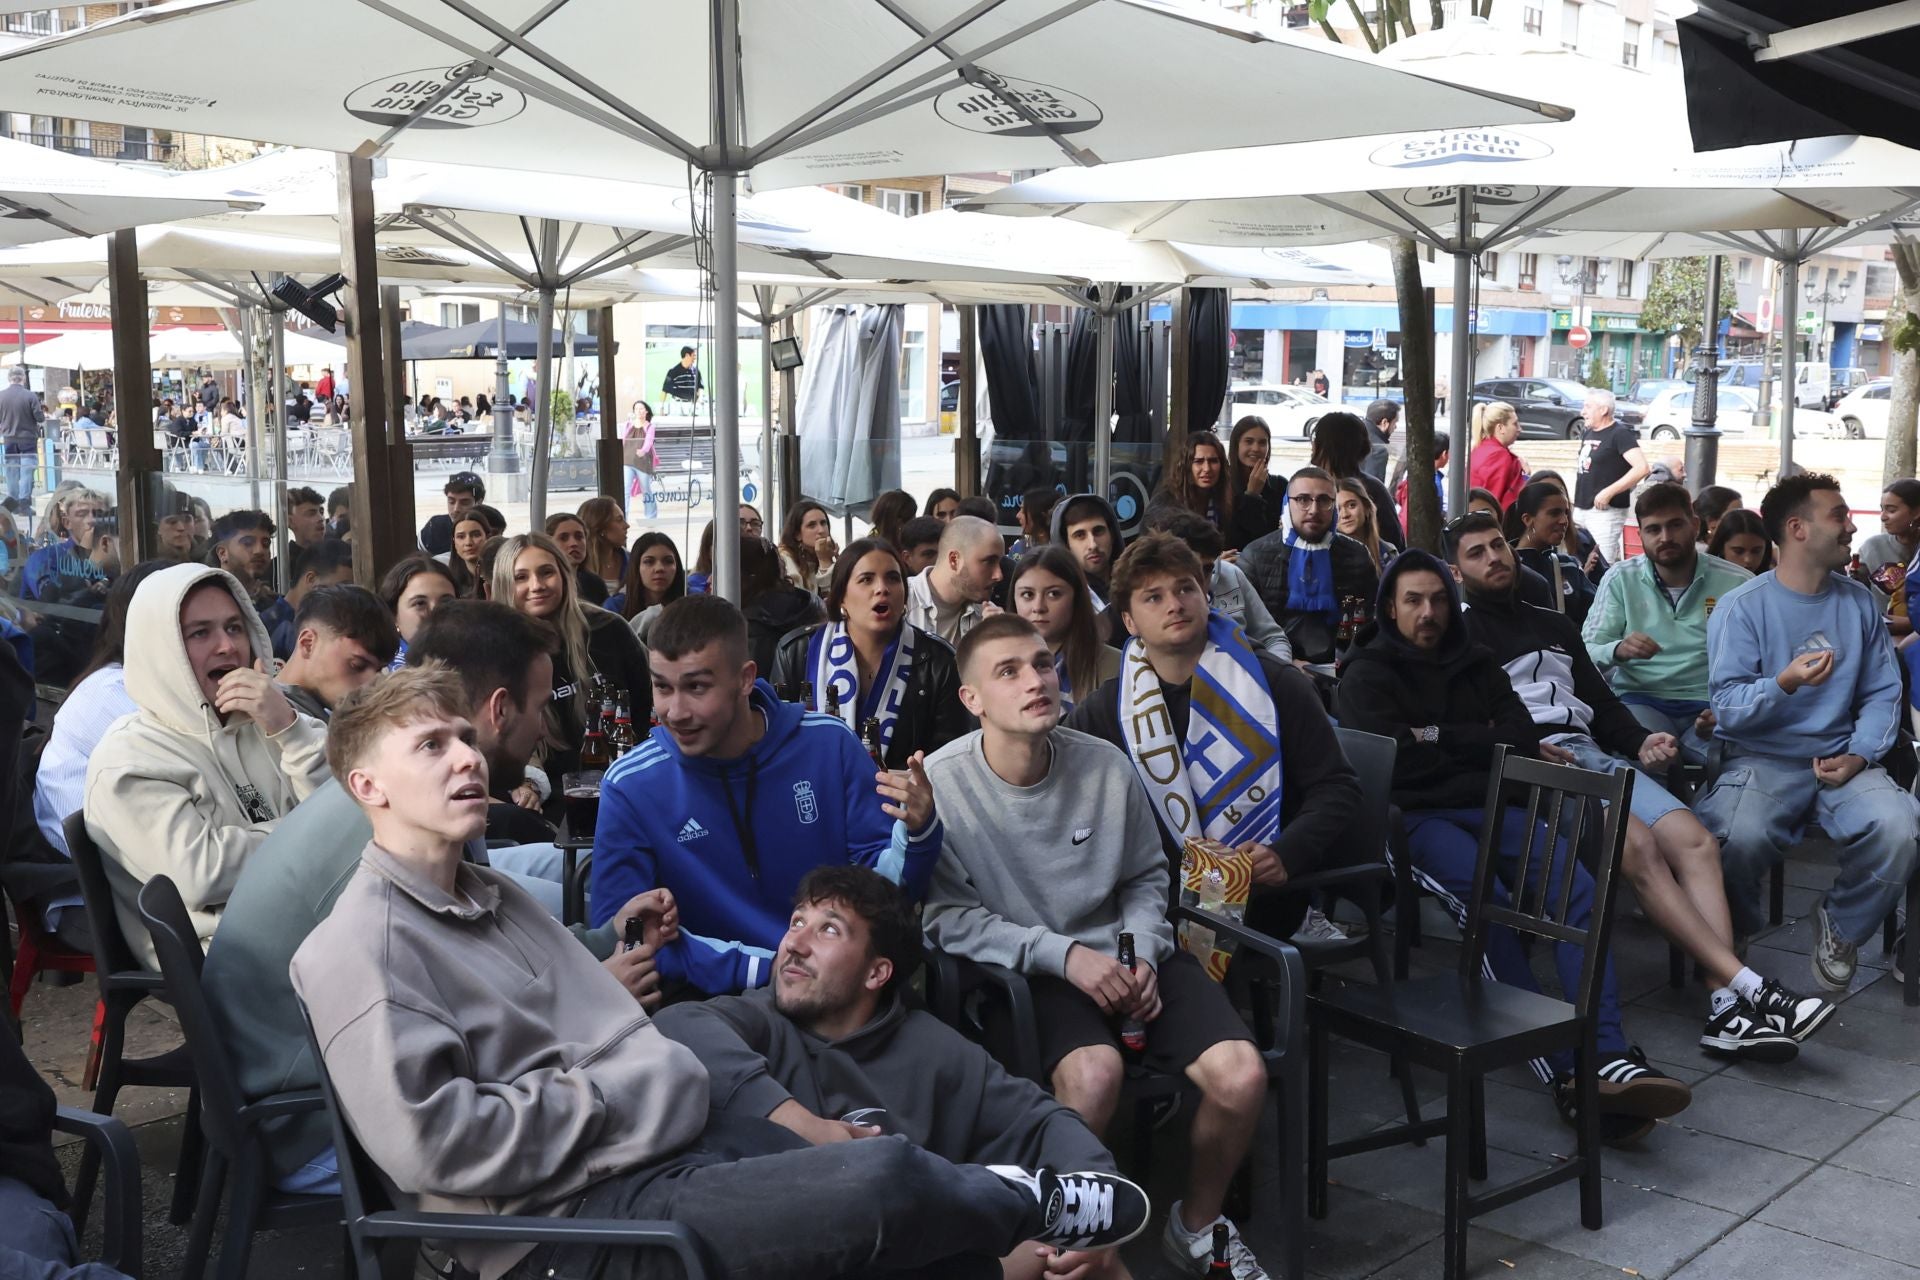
(1215, 878)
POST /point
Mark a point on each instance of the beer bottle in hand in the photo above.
(1133, 1032)
(870, 739)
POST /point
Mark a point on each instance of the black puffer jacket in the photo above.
(1312, 636)
(932, 717)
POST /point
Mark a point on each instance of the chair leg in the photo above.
(1459, 1137)
(1477, 1162)
(1291, 1094)
(1777, 894)
(105, 1094)
(1676, 966)
(193, 1157)
(213, 1176)
(243, 1213)
(1316, 1117)
(90, 1075)
(1910, 945)
(1587, 1086)
(1397, 1063)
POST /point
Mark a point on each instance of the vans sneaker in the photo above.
(1082, 1210)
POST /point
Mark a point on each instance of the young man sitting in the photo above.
(243, 546)
(832, 1046)
(489, 1065)
(1305, 573)
(1085, 525)
(1647, 626)
(1673, 864)
(920, 542)
(345, 638)
(736, 795)
(69, 572)
(951, 595)
(325, 564)
(1192, 691)
(1052, 853)
(1418, 678)
(1229, 590)
(1807, 696)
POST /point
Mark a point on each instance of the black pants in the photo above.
(763, 1203)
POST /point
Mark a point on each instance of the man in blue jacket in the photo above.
(736, 795)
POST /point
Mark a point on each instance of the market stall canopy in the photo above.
(44, 193)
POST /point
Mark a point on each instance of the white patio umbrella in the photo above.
(81, 349)
(218, 349)
(779, 93)
(1620, 165)
(44, 193)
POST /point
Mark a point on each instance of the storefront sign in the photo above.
(1870, 333)
(1599, 321)
(1359, 337)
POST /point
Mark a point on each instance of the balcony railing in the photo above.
(144, 149)
(40, 22)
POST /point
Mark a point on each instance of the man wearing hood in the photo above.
(1673, 864)
(1305, 573)
(735, 795)
(1418, 678)
(1085, 525)
(830, 1049)
(194, 781)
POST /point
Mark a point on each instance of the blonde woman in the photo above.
(1358, 521)
(1493, 465)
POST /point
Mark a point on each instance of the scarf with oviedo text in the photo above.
(1223, 782)
(831, 659)
(1310, 576)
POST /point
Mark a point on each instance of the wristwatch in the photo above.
(1427, 733)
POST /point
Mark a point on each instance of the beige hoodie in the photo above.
(171, 790)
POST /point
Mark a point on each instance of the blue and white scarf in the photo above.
(1224, 781)
(1310, 577)
(1066, 681)
(831, 659)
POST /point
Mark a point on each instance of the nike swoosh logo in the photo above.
(1081, 837)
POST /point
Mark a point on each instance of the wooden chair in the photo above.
(1464, 1025)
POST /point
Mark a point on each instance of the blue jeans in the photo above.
(1666, 715)
(20, 463)
(537, 868)
(1760, 805)
(1445, 845)
(646, 481)
(36, 1239)
(1649, 802)
(319, 1176)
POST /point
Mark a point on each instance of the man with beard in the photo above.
(1647, 625)
(832, 1050)
(952, 595)
(1673, 864)
(1305, 574)
(1806, 692)
(1085, 525)
(504, 661)
(1418, 678)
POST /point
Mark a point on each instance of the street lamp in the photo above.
(1586, 278)
(1823, 300)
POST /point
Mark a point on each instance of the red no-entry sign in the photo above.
(1579, 336)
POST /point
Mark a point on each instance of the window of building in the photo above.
(1744, 271)
(1533, 18)
(1529, 270)
(1666, 53)
(1630, 44)
(907, 204)
(1570, 25)
(455, 314)
(1490, 266)
(851, 190)
(1626, 278)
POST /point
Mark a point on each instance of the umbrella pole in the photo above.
(1107, 318)
(253, 405)
(1790, 315)
(1703, 432)
(726, 387)
(503, 454)
(768, 512)
(277, 345)
(1460, 379)
(543, 379)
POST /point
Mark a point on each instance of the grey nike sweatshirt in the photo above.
(1026, 872)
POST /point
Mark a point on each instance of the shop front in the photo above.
(1617, 342)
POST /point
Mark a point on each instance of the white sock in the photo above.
(1722, 999)
(1746, 984)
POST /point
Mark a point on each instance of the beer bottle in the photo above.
(634, 935)
(1219, 1266)
(870, 738)
(833, 702)
(623, 739)
(594, 752)
(806, 694)
(1343, 635)
(1133, 1032)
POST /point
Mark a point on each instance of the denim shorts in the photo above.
(1649, 802)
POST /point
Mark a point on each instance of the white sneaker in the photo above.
(1316, 927)
(1193, 1254)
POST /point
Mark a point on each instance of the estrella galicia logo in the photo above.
(804, 802)
(1485, 193)
(1492, 146)
(471, 104)
(1010, 108)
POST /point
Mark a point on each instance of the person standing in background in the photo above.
(1611, 464)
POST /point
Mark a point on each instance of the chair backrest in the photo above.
(1371, 756)
(1539, 885)
(359, 1175)
(178, 946)
(111, 952)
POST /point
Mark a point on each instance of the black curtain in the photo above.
(1208, 318)
(1006, 349)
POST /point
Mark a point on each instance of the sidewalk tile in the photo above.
(1851, 1209)
(1886, 1151)
(1757, 1250)
(1777, 1119)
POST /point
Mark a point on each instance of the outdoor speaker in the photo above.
(786, 354)
(312, 302)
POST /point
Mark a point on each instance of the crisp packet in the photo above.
(1215, 878)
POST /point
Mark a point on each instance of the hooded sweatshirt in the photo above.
(1548, 666)
(905, 1071)
(733, 838)
(1058, 534)
(174, 791)
(1391, 687)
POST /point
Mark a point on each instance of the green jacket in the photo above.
(1630, 598)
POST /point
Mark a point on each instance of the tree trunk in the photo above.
(1366, 32)
(1416, 375)
(1902, 408)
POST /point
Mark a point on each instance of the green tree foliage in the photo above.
(1677, 298)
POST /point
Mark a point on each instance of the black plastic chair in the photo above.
(124, 983)
(1465, 1025)
(1277, 982)
(111, 1144)
(236, 1146)
(371, 1218)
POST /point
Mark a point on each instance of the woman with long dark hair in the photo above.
(869, 662)
(1537, 525)
(1358, 521)
(656, 577)
(1715, 501)
(1578, 543)
(1258, 497)
(411, 590)
(606, 524)
(1197, 481)
(807, 548)
(890, 512)
(774, 607)
(1048, 589)
(470, 533)
(569, 533)
(1741, 538)
(1340, 445)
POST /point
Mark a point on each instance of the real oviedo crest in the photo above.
(806, 806)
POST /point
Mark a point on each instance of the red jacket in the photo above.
(1497, 469)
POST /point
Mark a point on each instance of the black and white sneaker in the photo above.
(1738, 1032)
(1797, 1015)
(1629, 1087)
(1615, 1130)
(1835, 960)
(1082, 1210)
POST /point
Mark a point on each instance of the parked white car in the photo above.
(1863, 411)
(1670, 413)
(1290, 411)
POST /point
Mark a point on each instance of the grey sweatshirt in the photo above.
(486, 1061)
(905, 1071)
(1026, 872)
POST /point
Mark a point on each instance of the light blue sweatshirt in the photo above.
(1761, 626)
